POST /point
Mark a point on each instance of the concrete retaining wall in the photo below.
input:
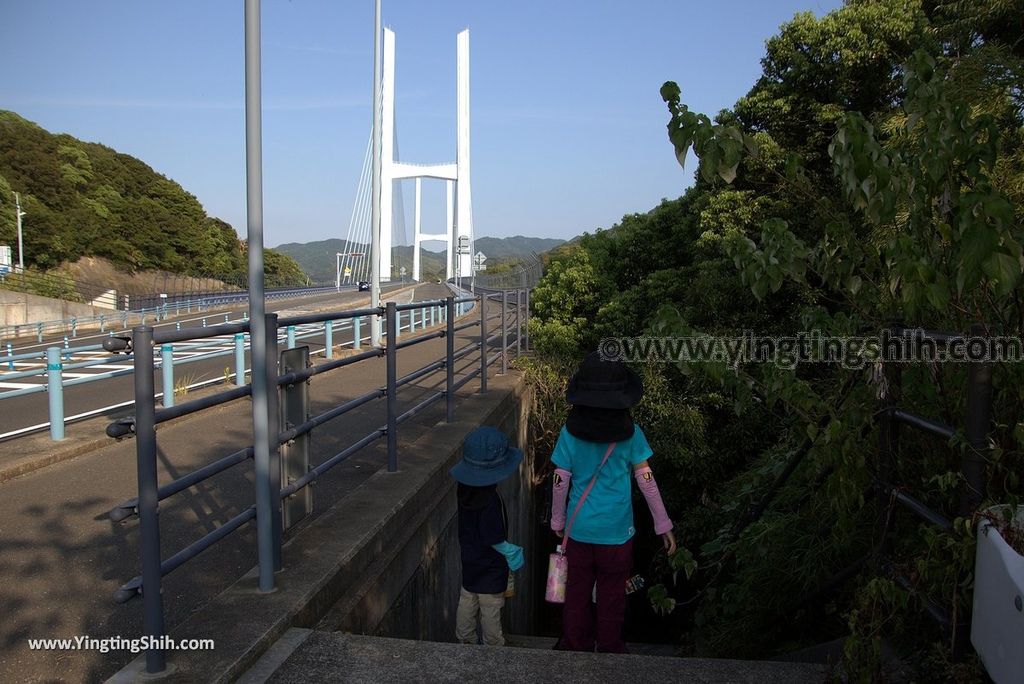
(413, 591)
(414, 594)
(23, 309)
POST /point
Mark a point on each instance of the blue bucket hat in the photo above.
(487, 458)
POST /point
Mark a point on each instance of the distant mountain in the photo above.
(318, 258)
(515, 247)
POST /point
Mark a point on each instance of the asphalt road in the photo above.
(61, 557)
(21, 413)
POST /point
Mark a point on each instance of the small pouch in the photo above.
(558, 573)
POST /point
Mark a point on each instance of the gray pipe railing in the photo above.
(147, 416)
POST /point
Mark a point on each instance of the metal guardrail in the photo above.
(173, 306)
(890, 494)
(54, 370)
(268, 516)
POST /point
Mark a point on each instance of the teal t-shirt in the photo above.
(606, 516)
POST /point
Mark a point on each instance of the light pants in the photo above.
(488, 606)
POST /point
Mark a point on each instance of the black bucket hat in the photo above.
(604, 384)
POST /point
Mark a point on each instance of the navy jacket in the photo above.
(481, 525)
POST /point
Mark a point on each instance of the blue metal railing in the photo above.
(53, 374)
(140, 315)
(143, 423)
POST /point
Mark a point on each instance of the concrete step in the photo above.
(338, 657)
(548, 643)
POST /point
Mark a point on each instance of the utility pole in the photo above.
(375, 226)
(21, 249)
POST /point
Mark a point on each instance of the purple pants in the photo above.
(609, 565)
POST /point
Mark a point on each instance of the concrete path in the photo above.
(61, 558)
(355, 659)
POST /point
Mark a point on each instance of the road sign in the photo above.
(480, 257)
(463, 246)
(401, 271)
(479, 267)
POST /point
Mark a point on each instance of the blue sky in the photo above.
(568, 130)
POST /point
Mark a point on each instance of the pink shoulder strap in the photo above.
(579, 504)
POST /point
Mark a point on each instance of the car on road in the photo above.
(364, 285)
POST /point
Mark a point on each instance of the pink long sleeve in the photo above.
(645, 480)
(560, 492)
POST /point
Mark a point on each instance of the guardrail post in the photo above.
(10, 356)
(356, 335)
(291, 337)
(328, 339)
(888, 436)
(412, 320)
(74, 326)
(504, 330)
(483, 345)
(55, 388)
(977, 423)
(526, 321)
(519, 329)
(239, 359)
(103, 323)
(149, 522)
(167, 375)
(449, 365)
(391, 323)
(39, 332)
(273, 422)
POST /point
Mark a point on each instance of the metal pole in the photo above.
(328, 339)
(291, 337)
(257, 329)
(519, 327)
(273, 428)
(375, 226)
(167, 373)
(887, 439)
(449, 366)
(504, 330)
(149, 521)
(392, 332)
(239, 359)
(977, 423)
(483, 346)
(526, 321)
(21, 249)
(356, 333)
(55, 388)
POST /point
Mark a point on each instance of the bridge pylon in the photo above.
(459, 206)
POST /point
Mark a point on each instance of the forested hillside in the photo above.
(85, 199)
(874, 173)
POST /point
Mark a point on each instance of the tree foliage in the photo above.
(873, 173)
(85, 199)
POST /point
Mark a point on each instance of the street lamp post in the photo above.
(21, 249)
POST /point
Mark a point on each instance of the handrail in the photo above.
(148, 416)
